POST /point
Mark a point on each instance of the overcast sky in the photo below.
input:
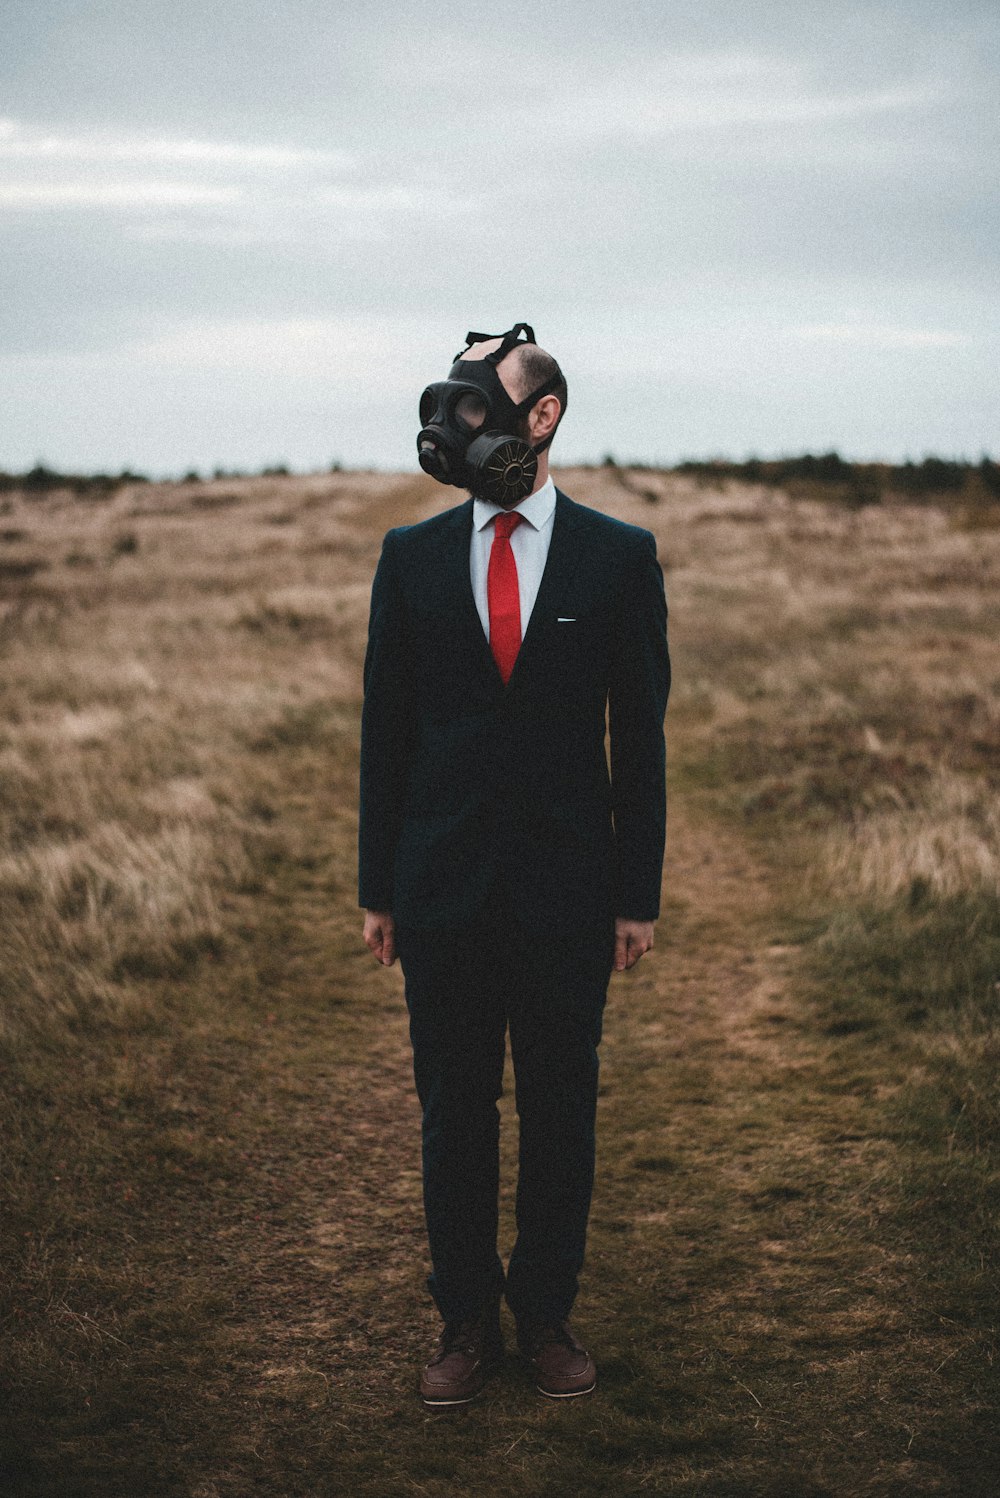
(242, 232)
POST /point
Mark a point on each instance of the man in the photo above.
(498, 859)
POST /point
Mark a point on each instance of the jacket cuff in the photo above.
(626, 912)
(375, 899)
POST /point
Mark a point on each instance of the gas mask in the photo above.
(470, 428)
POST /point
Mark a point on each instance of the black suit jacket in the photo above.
(464, 780)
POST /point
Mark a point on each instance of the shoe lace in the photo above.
(560, 1334)
(456, 1336)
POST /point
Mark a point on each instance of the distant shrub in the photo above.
(42, 480)
(829, 476)
(989, 475)
(932, 476)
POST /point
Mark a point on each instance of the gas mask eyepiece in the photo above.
(471, 430)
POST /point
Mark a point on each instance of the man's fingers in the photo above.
(383, 945)
(637, 947)
(380, 937)
(632, 939)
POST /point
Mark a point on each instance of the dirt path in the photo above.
(253, 1319)
(757, 1330)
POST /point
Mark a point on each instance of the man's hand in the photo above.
(632, 938)
(380, 936)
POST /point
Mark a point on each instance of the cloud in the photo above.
(874, 335)
(101, 149)
(131, 194)
(275, 191)
(654, 95)
(677, 96)
(102, 171)
(345, 352)
(739, 228)
(286, 346)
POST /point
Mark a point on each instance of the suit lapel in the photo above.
(455, 583)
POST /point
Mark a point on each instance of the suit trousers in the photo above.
(464, 986)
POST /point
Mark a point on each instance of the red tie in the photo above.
(504, 600)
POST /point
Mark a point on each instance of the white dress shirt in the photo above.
(529, 542)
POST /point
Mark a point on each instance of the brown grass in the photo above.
(212, 1241)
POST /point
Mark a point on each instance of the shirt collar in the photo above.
(536, 509)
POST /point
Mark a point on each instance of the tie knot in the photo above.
(505, 523)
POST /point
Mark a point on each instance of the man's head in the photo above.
(487, 427)
(524, 369)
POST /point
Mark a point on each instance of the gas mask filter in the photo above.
(470, 429)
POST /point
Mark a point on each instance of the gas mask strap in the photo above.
(510, 339)
(536, 395)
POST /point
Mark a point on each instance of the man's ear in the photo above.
(543, 418)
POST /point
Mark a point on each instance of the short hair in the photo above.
(536, 368)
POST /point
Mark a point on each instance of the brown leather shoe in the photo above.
(465, 1355)
(563, 1366)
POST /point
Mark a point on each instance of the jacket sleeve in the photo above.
(386, 734)
(637, 701)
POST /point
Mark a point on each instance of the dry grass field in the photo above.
(212, 1239)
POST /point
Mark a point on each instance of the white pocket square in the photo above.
(566, 621)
